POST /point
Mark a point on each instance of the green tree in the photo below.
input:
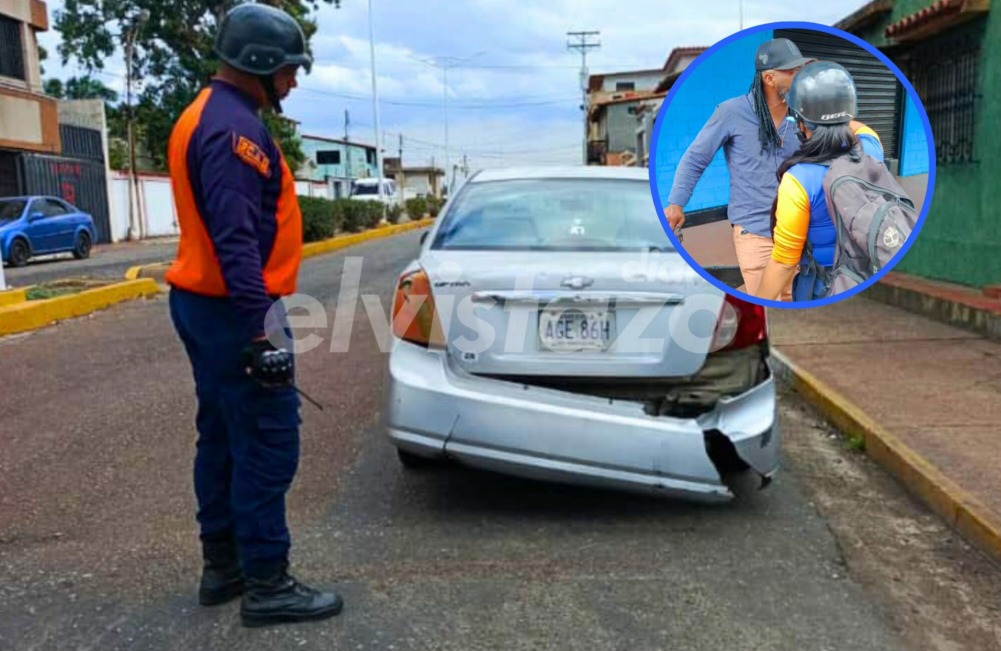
(173, 54)
(85, 87)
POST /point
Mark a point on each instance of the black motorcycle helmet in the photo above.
(822, 93)
(261, 40)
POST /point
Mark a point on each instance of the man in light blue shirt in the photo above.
(756, 138)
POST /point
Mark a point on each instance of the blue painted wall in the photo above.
(727, 73)
(359, 166)
(914, 153)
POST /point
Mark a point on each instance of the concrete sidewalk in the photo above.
(926, 397)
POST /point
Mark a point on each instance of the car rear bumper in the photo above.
(434, 409)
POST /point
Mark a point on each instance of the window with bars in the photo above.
(945, 72)
(11, 49)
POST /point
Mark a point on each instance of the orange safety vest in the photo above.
(222, 122)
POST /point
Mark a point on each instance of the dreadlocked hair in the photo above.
(827, 142)
(768, 135)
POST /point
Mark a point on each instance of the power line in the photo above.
(483, 104)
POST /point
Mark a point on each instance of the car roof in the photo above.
(29, 197)
(568, 172)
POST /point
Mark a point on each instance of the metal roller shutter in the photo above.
(879, 93)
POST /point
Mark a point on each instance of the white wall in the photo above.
(155, 207)
(156, 204)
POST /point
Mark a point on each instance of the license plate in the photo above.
(576, 329)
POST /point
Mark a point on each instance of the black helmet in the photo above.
(260, 40)
(823, 93)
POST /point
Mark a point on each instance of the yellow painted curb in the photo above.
(13, 297)
(343, 241)
(31, 315)
(961, 510)
(133, 272)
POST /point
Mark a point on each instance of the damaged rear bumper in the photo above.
(434, 409)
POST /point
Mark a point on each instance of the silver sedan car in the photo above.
(548, 329)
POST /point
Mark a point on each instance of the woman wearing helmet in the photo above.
(823, 103)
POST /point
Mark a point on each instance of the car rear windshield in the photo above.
(553, 215)
(11, 209)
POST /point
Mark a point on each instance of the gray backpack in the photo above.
(873, 217)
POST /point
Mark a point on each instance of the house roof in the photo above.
(437, 171)
(935, 18)
(670, 66)
(680, 52)
(635, 98)
(865, 16)
(595, 81)
(337, 141)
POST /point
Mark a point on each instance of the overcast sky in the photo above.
(516, 101)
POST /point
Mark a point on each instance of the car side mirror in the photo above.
(424, 236)
(35, 216)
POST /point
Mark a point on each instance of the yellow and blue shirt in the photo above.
(801, 212)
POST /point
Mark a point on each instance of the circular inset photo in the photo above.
(792, 164)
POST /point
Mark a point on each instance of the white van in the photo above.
(368, 190)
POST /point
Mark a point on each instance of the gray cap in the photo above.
(779, 54)
(823, 93)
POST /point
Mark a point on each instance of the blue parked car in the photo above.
(39, 225)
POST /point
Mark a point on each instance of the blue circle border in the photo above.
(911, 93)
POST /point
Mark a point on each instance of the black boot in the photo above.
(280, 598)
(222, 578)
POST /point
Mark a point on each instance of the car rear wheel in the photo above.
(19, 253)
(81, 250)
(413, 461)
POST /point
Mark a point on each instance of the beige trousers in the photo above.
(753, 253)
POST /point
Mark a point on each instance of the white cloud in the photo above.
(525, 60)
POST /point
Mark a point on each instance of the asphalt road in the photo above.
(105, 261)
(98, 546)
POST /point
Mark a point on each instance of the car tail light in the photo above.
(740, 324)
(414, 316)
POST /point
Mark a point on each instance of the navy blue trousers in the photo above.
(248, 436)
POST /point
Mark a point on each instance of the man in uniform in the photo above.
(239, 253)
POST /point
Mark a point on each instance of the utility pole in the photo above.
(375, 107)
(465, 167)
(582, 44)
(445, 63)
(135, 231)
(401, 176)
(347, 151)
(741, 14)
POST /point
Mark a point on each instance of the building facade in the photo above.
(46, 146)
(29, 120)
(949, 51)
(611, 110)
(336, 163)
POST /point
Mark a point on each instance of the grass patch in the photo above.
(856, 443)
(42, 293)
(58, 288)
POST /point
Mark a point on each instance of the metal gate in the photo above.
(83, 183)
(8, 174)
(880, 95)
